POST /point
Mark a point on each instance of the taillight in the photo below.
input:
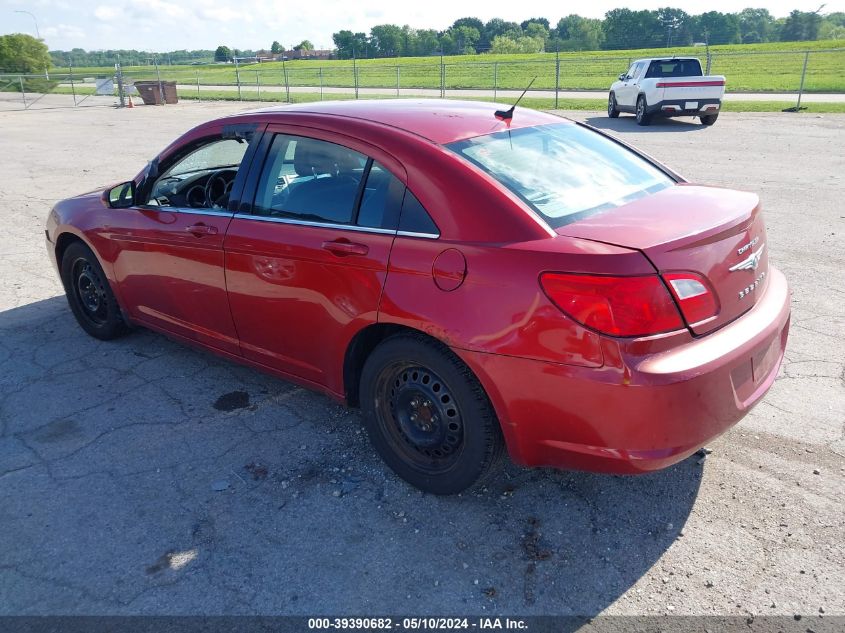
(619, 306)
(692, 292)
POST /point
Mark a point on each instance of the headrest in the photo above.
(314, 158)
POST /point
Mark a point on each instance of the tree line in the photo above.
(620, 29)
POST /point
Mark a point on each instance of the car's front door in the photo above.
(306, 262)
(169, 261)
(626, 95)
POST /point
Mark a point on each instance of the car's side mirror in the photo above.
(122, 196)
(623, 77)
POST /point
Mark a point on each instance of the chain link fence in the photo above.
(792, 73)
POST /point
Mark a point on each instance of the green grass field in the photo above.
(536, 103)
(772, 67)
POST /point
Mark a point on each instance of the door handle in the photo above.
(201, 229)
(344, 248)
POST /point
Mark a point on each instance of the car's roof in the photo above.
(666, 59)
(439, 120)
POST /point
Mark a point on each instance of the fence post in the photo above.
(709, 60)
(160, 86)
(238, 78)
(557, 74)
(23, 92)
(803, 74)
(495, 80)
(355, 75)
(287, 84)
(397, 80)
(120, 91)
(321, 83)
(198, 86)
(442, 77)
(72, 87)
(258, 83)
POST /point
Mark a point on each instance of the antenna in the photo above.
(507, 115)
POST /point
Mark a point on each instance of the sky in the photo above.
(162, 25)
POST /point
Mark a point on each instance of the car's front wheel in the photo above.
(643, 117)
(428, 416)
(89, 295)
(709, 119)
(612, 112)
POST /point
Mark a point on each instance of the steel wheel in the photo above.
(421, 417)
(89, 294)
(428, 416)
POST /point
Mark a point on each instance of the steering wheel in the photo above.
(217, 188)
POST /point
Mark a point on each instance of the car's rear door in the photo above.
(169, 263)
(307, 260)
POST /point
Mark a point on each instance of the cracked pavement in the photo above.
(144, 477)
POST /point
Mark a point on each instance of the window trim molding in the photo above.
(324, 225)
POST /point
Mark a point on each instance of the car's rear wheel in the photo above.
(709, 119)
(643, 117)
(612, 112)
(89, 295)
(428, 416)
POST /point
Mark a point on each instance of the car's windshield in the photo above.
(563, 171)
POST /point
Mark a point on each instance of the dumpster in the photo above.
(150, 92)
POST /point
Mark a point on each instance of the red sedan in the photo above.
(473, 282)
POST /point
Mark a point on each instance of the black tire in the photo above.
(428, 416)
(709, 119)
(89, 294)
(612, 112)
(643, 117)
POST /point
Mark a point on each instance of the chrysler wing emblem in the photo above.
(751, 262)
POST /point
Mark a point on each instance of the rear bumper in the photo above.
(644, 412)
(678, 107)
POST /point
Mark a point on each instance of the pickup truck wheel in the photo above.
(709, 119)
(428, 416)
(612, 112)
(643, 118)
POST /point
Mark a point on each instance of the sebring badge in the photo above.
(751, 262)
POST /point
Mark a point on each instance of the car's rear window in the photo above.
(564, 172)
(674, 68)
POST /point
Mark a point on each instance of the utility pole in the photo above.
(38, 33)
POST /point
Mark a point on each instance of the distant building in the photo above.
(321, 53)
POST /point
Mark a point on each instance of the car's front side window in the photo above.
(563, 171)
(201, 178)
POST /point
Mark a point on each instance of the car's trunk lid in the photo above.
(717, 233)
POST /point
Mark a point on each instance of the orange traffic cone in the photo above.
(131, 105)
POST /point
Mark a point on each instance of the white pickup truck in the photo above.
(667, 87)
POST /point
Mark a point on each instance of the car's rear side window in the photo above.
(563, 171)
(415, 219)
(380, 199)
